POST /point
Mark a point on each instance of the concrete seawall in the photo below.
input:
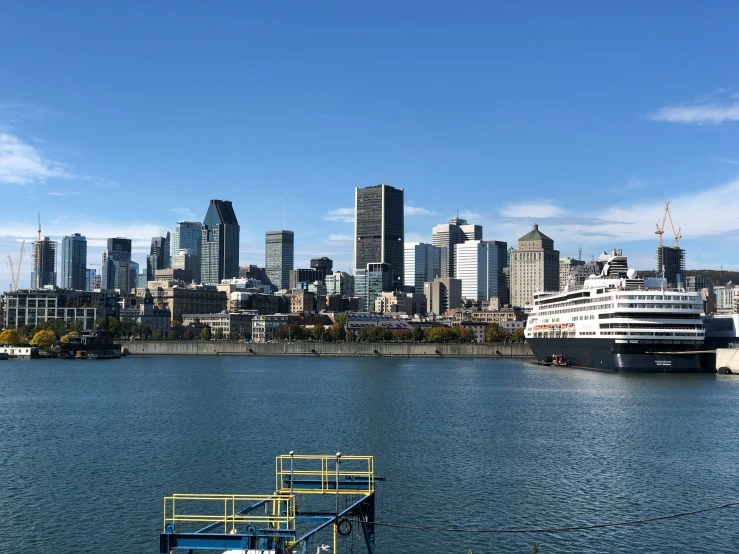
(331, 349)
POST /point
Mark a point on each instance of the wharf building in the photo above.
(534, 267)
(74, 262)
(671, 264)
(442, 294)
(117, 270)
(44, 263)
(227, 322)
(449, 234)
(379, 232)
(159, 255)
(279, 253)
(142, 310)
(219, 243)
(422, 264)
(181, 299)
(479, 265)
(76, 308)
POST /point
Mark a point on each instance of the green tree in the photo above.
(495, 333)
(57, 325)
(518, 335)
(127, 328)
(9, 336)
(418, 334)
(27, 331)
(156, 335)
(341, 320)
(144, 331)
(219, 334)
(205, 333)
(172, 335)
(114, 327)
(43, 339)
(318, 332)
(65, 338)
(188, 334)
(233, 336)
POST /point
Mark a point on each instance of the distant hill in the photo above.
(717, 276)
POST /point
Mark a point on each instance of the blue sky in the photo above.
(119, 120)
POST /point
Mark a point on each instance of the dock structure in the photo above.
(314, 496)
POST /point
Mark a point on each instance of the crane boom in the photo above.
(14, 282)
(661, 228)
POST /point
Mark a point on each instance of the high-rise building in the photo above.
(671, 263)
(371, 282)
(340, 283)
(91, 279)
(566, 268)
(479, 265)
(442, 294)
(44, 263)
(159, 256)
(219, 243)
(422, 264)
(379, 230)
(117, 269)
(534, 267)
(447, 235)
(323, 266)
(279, 255)
(188, 236)
(74, 262)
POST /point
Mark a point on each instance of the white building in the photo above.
(422, 264)
(479, 265)
(339, 283)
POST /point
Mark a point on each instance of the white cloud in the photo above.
(345, 215)
(184, 212)
(339, 237)
(62, 193)
(415, 210)
(470, 215)
(22, 164)
(532, 210)
(698, 113)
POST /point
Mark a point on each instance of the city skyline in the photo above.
(507, 130)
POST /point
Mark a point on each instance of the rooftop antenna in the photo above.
(39, 226)
(579, 253)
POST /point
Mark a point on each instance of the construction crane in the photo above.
(15, 275)
(661, 227)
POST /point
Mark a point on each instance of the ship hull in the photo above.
(607, 355)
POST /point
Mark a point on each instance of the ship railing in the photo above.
(308, 474)
(233, 511)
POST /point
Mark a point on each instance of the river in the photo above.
(89, 448)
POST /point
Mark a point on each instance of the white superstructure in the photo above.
(618, 306)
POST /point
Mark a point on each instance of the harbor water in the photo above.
(89, 448)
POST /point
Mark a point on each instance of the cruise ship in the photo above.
(615, 321)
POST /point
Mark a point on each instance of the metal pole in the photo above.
(292, 458)
(336, 521)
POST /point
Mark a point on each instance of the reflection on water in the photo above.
(88, 449)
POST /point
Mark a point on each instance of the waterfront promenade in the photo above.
(328, 349)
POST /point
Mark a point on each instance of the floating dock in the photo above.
(314, 496)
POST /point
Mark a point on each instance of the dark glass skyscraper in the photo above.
(74, 262)
(219, 248)
(379, 229)
(44, 263)
(158, 257)
(117, 269)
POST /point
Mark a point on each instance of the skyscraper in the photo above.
(117, 269)
(671, 262)
(74, 262)
(422, 264)
(534, 267)
(187, 236)
(446, 235)
(379, 230)
(44, 262)
(479, 265)
(279, 253)
(219, 247)
(324, 266)
(159, 257)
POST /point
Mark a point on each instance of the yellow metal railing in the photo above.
(322, 470)
(278, 512)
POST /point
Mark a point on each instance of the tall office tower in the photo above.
(159, 257)
(479, 265)
(534, 267)
(91, 277)
(422, 264)
(671, 262)
(323, 266)
(187, 237)
(279, 254)
(219, 246)
(446, 235)
(379, 230)
(74, 262)
(371, 282)
(44, 263)
(117, 269)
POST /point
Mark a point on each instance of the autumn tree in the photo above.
(9, 336)
(403, 335)
(188, 334)
(205, 333)
(43, 339)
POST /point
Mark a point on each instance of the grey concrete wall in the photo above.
(728, 357)
(221, 348)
